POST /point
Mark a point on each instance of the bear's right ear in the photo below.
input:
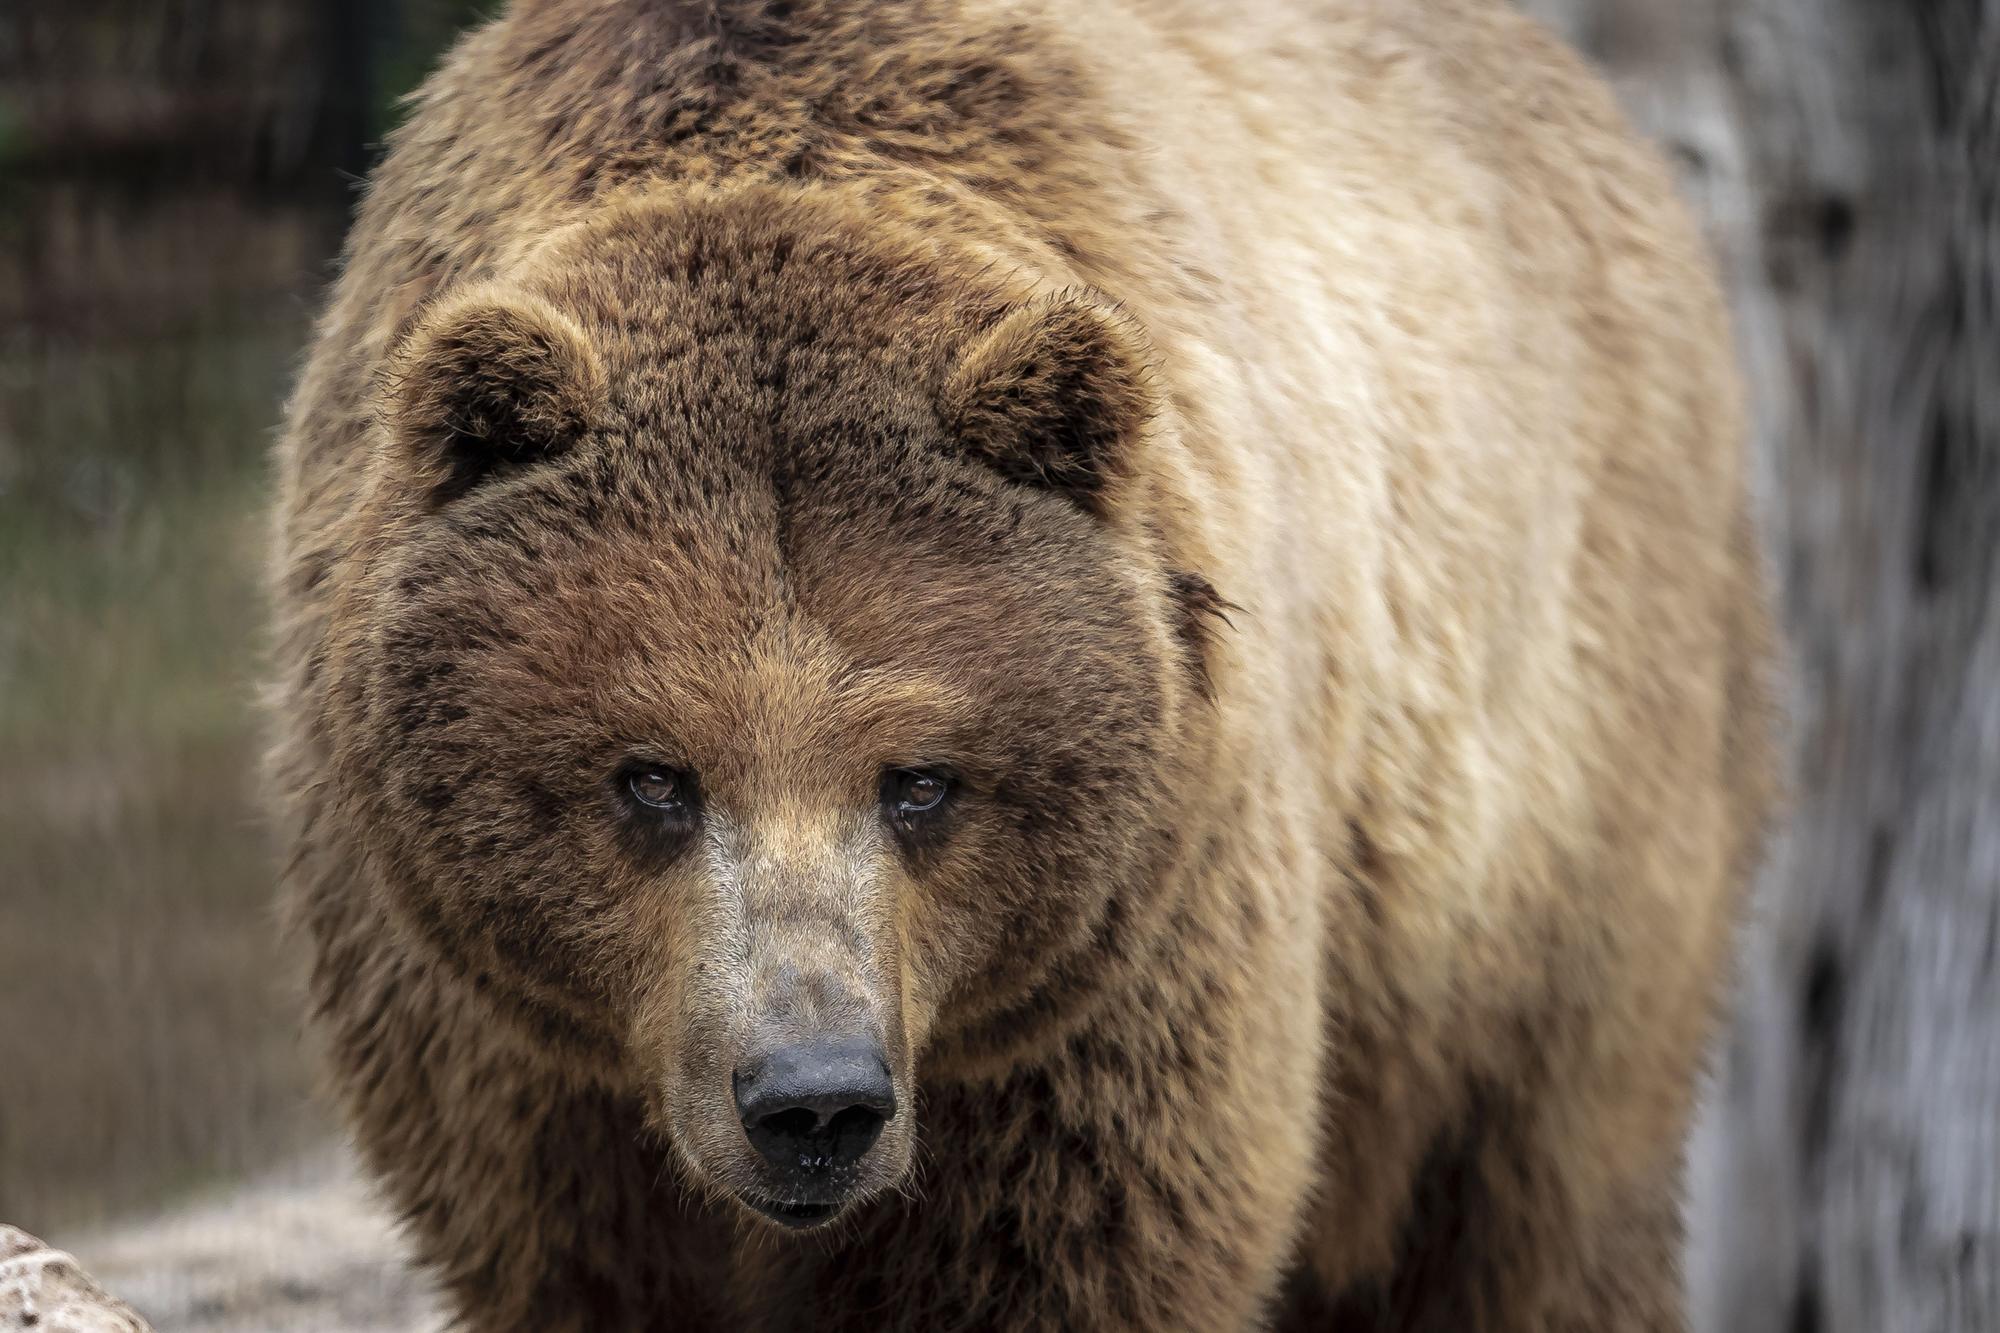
(488, 381)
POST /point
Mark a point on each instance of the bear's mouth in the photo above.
(798, 1215)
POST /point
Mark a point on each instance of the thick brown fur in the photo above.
(1282, 457)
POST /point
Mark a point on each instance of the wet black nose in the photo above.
(813, 1108)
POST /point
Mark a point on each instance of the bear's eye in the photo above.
(661, 806)
(654, 787)
(911, 793)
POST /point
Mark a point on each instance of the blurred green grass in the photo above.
(130, 573)
(148, 1038)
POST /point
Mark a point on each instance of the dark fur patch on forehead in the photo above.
(779, 353)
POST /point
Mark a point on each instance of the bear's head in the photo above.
(761, 677)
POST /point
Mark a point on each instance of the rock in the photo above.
(47, 1290)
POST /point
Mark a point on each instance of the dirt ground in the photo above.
(304, 1249)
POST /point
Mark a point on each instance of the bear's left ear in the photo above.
(1052, 395)
(490, 381)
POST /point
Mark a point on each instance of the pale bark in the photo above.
(1845, 158)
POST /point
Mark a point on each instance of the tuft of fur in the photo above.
(1283, 460)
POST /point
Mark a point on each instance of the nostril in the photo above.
(856, 1121)
(797, 1123)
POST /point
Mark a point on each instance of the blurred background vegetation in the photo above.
(173, 180)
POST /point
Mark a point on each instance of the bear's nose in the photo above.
(813, 1108)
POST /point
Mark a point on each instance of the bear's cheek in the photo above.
(501, 874)
(1010, 879)
(1062, 852)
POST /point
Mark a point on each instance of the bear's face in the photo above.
(751, 684)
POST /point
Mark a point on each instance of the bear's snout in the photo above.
(813, 1110)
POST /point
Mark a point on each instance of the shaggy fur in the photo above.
(1282, 460)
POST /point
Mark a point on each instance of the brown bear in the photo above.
(1000, 664)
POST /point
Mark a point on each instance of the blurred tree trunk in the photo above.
(1845, 156)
